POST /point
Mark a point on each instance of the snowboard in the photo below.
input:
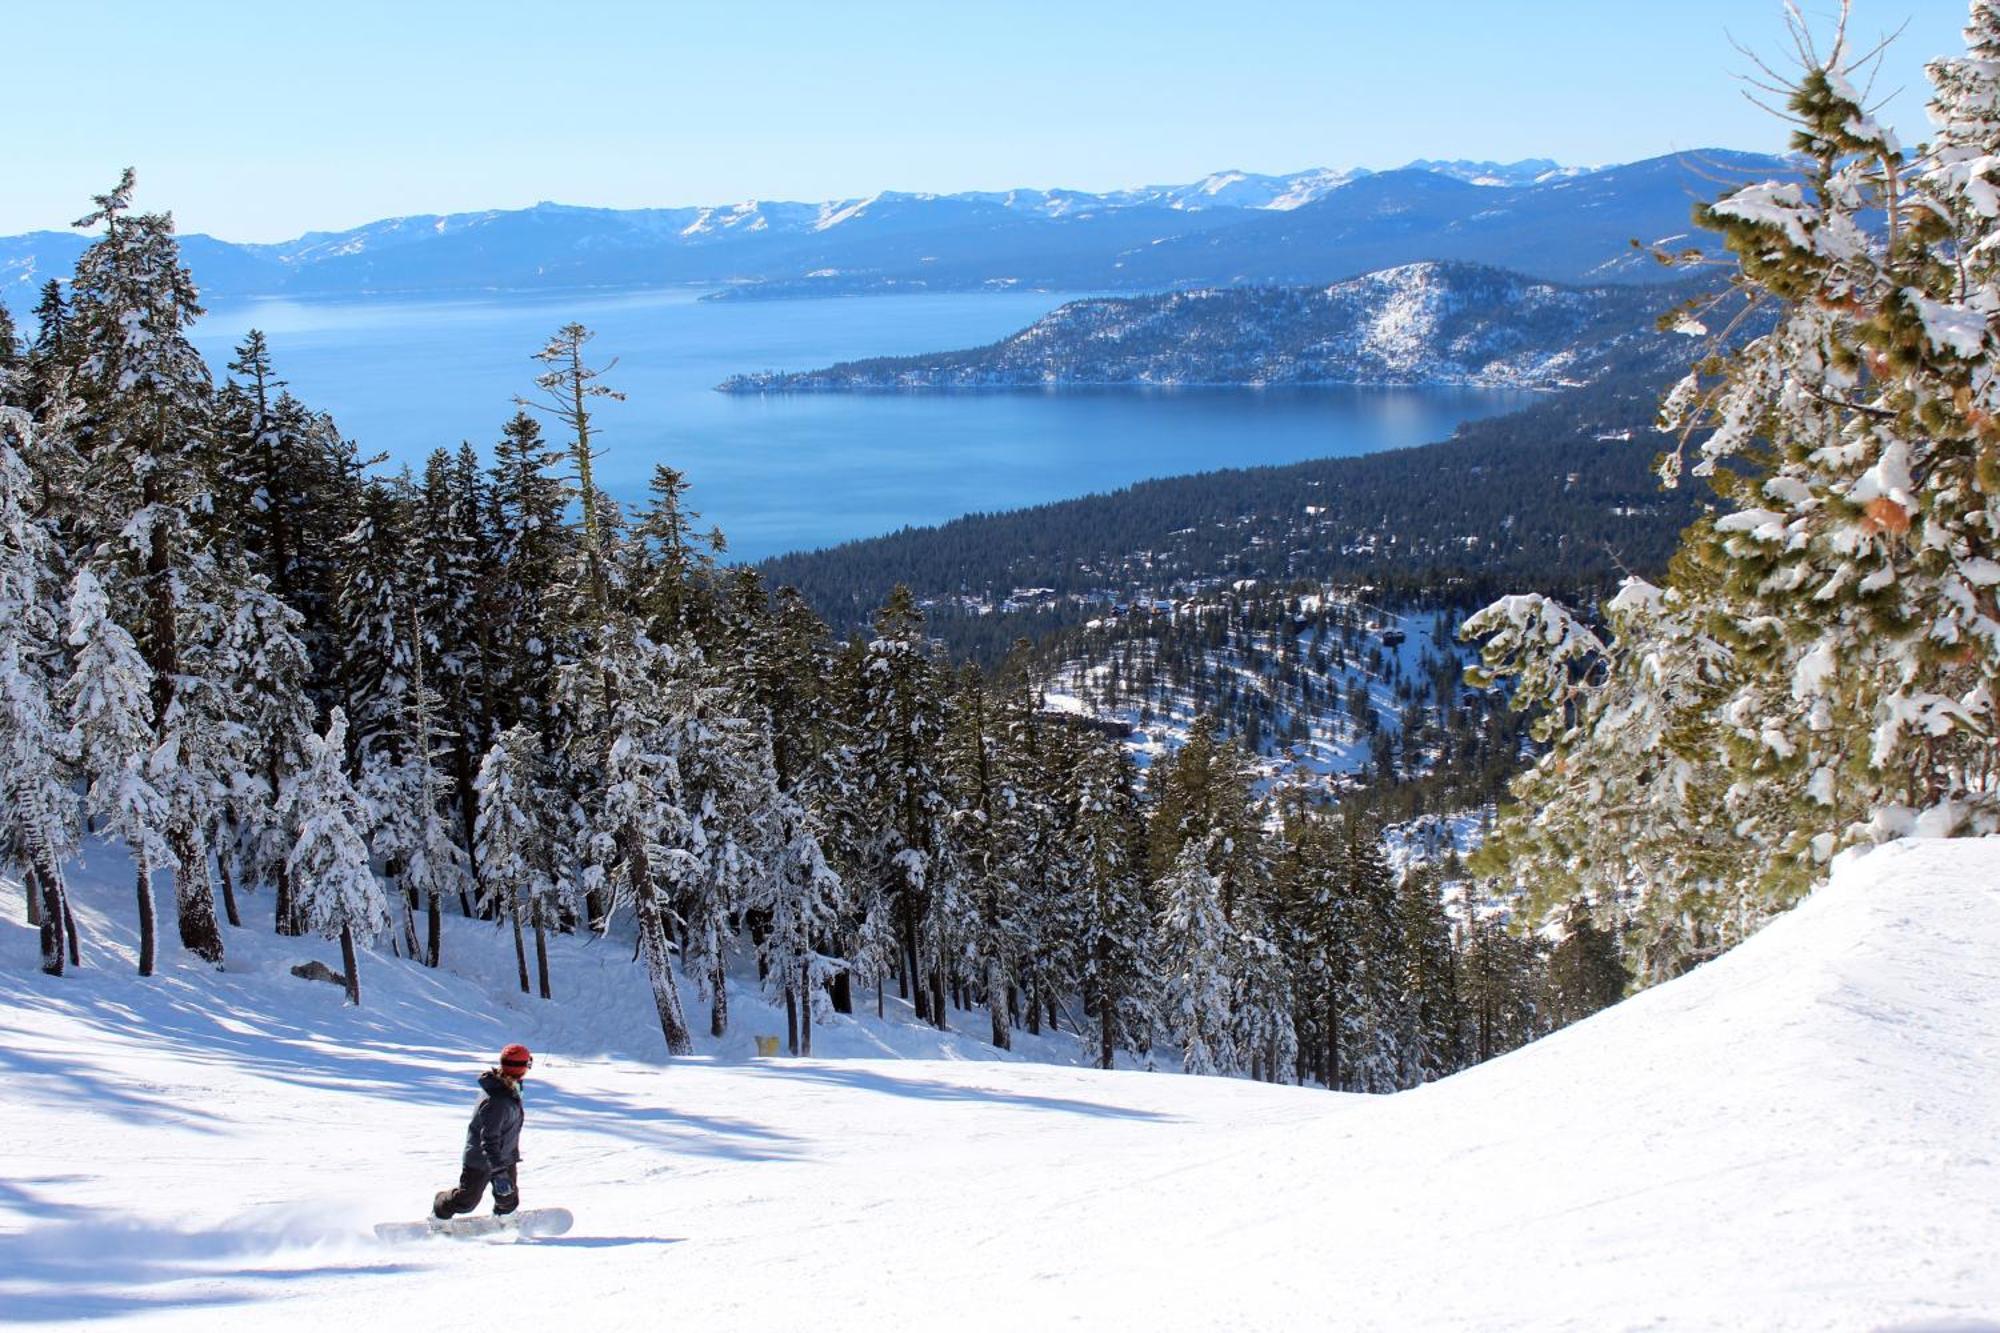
(527, 1222)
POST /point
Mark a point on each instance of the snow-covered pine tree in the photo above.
(338, 893)
(676, 587)
(292, 490)
(568, 388)
(1504, 980)
(269, 671)
(981, 801)
(205, 745)
(108, 701)
(1586, 970)
(1433, 1010)
(1849, 583)
(376, 589)
(638, 815)
(1193, 948)
(528, 504)
(10, 357)
(413, 835)
(458, 573)
(898, 752)
(145, 398)
(730, 839)
(38, 805)
(610, 696)
(796, 687)
(1107, 845)
(1033, 839)
(516, 846)
(47, 362)
(1627, 804)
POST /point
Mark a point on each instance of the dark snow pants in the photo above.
(472, 1183)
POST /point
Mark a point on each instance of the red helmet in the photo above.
(515, 1061)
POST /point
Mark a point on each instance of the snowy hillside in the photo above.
(1426, 323)
(1799, 1135)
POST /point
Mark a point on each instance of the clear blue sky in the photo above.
(257, 122)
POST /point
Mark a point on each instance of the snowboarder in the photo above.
(492, 1141)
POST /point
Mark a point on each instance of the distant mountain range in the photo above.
(1425, 323)
(1231, 228)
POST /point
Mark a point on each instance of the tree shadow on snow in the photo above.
(898, 1085)
(632, 1121)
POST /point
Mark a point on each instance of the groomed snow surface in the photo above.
(1804, 1134)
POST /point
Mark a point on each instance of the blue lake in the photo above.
(788, 472)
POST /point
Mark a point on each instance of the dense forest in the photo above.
(1561, 496)
(278, 676)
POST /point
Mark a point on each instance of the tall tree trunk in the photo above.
(287, 912)
(410, 944)
(653, 942)
(32, 891)
(542, 958)
(940, 1012)
(148, 928)
(348, 965)
(1106, 1040)
(222, 860)
(907, 968)
(718, 1004)
(433, 929)
(792, 1016)
(805, 1009)
(996, 1006)
(520, 949)
(194, 895)
(69, 929)
(843, 993)
(45, 891)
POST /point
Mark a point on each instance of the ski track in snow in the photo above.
(1804, 1134)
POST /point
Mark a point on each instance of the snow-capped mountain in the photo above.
(1228, 228)
(1425, 323)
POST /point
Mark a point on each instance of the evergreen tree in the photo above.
(531, 550)
(38, 806)
(898, 741)
(145, 397)
(1433, 1009)
(1108, 847)
(412, 833)
(109, 704)
(797, 690)
(338, 893)
(269, 671)
(1845, 589)
(48, 360)
(638, 815)
(516, 849)
(1193, 946)
(1586, 972)
(10, 355)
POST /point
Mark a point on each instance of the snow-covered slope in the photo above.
(1801, 1135)
(1426, 323)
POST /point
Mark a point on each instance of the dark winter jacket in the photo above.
(493, 1139)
